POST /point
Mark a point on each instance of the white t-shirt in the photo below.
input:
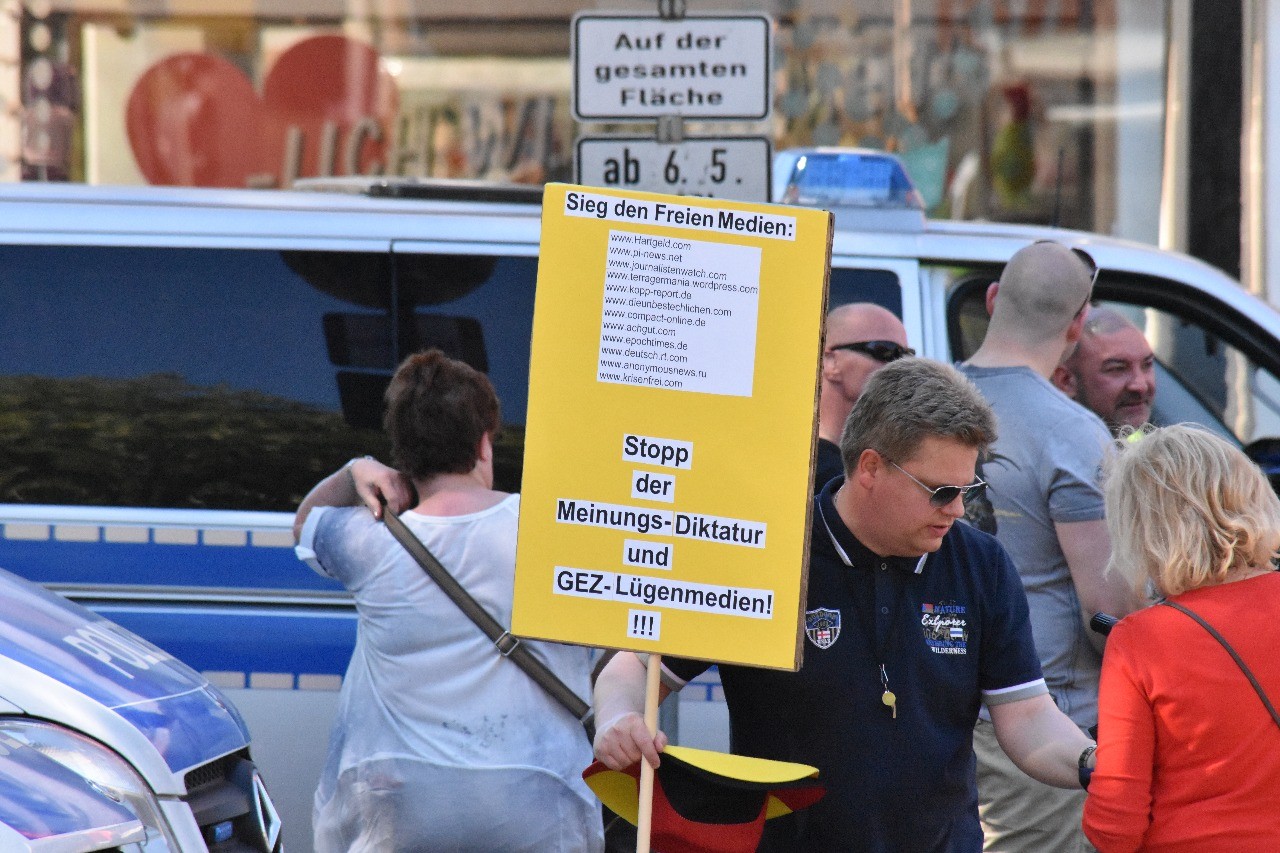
(440, 743)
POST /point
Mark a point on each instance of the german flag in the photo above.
(708, 802)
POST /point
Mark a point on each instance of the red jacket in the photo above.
(1188, 757)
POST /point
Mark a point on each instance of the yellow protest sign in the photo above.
(672, 397)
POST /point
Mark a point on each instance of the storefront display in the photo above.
(1035, 111)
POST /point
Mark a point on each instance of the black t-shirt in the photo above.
(946, 628)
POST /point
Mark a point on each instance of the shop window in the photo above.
(1034, 112)
(1002, 111)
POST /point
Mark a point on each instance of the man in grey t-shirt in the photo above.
(1047, 511)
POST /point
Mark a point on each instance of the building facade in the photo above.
(1048, 111)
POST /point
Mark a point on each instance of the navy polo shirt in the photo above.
(951, 631)
(827, 464)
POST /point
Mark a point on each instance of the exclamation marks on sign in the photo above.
(644, 624)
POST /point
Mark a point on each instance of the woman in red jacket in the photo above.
(1188, 754)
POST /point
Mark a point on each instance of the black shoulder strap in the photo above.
(509, 646)
(1236, 657)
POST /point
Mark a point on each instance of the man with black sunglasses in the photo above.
(859, 339)
(1048, 513)
(911, 621)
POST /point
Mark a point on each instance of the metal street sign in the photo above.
(720, 167)
(702, 67)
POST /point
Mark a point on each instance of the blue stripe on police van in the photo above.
(156, 555)
(166, 535)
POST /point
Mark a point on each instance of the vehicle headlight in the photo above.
(106, 770)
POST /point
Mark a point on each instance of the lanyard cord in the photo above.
(887, 697)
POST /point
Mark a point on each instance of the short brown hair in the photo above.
(437, 410)
(1186, 508)
(910, 400)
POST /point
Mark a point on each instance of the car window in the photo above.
(218, 378)
(865, 285)
(1210, 368)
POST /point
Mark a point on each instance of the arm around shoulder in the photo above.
(363, 480)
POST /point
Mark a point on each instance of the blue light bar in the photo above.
(847, 177)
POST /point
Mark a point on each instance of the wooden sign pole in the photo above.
(644, 816)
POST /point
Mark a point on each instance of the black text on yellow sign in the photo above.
(673, 380)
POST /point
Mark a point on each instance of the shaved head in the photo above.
(1042, 289)
(1105, 321)
(863, 321)
(845, 372)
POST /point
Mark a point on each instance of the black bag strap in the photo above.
(509, 645)
(1236, 657)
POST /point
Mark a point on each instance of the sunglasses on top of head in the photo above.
(882, 351)
(1089, 264)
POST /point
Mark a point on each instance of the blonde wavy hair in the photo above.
(1186, 509)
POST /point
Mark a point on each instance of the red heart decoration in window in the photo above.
(194, 119)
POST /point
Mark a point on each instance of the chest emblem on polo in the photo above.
(946, 628)
(822, 627)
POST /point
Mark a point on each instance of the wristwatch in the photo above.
(1086, 772)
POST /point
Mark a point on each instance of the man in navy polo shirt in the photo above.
(912, 620)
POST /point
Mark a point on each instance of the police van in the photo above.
(108, 743)
(182, 365)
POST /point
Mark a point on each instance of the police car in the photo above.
(108, 743)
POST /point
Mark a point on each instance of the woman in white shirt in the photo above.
(440, 744)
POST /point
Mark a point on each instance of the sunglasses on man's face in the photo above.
(882, 351)
(944, 495)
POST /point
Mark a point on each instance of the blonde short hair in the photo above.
(1186, 509)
